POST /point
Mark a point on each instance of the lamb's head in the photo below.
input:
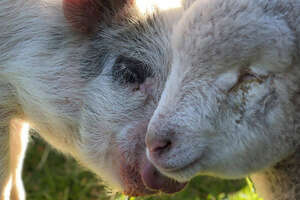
(230, 103)
(124, 68)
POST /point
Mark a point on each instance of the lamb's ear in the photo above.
(84, 15)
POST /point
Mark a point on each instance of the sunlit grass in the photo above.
(246, 193)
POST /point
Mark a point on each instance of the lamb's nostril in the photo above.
(160, 146)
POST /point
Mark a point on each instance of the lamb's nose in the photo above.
(159, 145)
(160, 142)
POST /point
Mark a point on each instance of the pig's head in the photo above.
(125, 67)
(230, 105)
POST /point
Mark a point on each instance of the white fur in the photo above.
(230, 106)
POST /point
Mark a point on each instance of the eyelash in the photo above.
(129, 71)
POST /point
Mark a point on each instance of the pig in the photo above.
(87, 76)
(230, 107)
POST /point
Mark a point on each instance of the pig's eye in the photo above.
(129, 70)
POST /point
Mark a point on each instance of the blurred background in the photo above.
(48, 175)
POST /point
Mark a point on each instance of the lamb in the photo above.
(87, 75)
(230, 107)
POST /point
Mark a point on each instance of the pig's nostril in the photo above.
(160, 146)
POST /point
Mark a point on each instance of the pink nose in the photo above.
(159, 146)
(159, 143)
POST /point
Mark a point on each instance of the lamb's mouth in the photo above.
(183, 173)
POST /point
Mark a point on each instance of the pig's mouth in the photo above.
(154, 180)
(144, 179)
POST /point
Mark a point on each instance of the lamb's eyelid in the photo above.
(231, 80)
(227, 80)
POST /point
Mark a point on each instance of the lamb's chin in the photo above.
(185, 173)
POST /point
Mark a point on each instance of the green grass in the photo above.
(50, 176)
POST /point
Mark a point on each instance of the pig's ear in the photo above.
(84, 15)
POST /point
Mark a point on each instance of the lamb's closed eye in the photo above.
(245, 78)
